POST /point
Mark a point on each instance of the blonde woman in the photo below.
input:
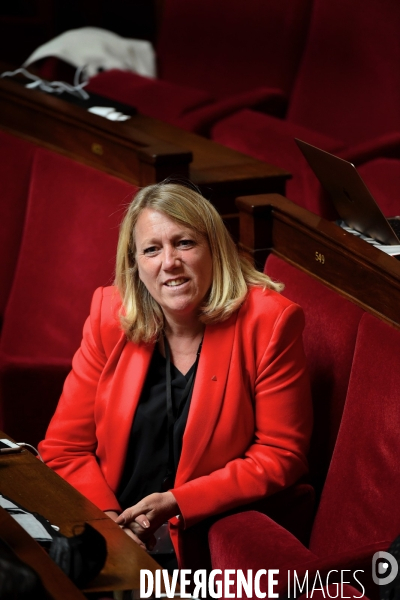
(189, 394)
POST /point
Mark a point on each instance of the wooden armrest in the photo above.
(344, 262)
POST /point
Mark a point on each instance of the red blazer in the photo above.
(249, 421)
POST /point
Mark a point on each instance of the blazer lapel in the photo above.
(208, 395)
(125, 390)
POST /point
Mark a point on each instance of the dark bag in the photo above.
(81, 556)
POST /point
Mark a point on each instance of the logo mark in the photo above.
(384, 568)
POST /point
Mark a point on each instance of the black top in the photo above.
(146, 464)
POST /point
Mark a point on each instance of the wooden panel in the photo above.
(141, 150)
(354, 268)
(221, 173)
(216, 168)
(116, 148)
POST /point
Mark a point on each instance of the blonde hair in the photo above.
(141, 316)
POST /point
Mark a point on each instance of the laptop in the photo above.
(352, 199)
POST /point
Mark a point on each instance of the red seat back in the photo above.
(329, 339)
(348, 83)
(68, 249)
(151, 97)
(230, 46)
(16, 157)
(359, 504)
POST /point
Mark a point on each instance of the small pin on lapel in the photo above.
(214, 378)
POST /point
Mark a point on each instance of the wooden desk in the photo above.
(141, 150)
(26, 480)
(344, 262)
(56, 583)
(113, 147)
(220, 172)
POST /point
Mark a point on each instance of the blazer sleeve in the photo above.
(276, 458)
(69, 447)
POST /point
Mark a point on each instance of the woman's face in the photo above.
(174, 264)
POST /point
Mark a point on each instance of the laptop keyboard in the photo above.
(391, 250)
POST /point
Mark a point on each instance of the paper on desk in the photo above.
(391, 250)
(7, 504)
(108, 112)
(32, 526)
(26, 520)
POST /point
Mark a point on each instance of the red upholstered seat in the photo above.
(224, 49)
(253, 541)
(346, 86)
(272, 140)
(68, 249)
(329, 340)
(227, 46)
(16, 157)
(151, 97)
(347, 89)
(358, 513)
(360, 496)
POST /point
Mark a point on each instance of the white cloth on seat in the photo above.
(94, 50)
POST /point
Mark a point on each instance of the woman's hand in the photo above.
(114, 516)
(145, 517)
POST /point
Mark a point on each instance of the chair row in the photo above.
(350, 341)
(214, 57)
(344, 100)
(59, 229)
(334, 63)
(141, 150)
